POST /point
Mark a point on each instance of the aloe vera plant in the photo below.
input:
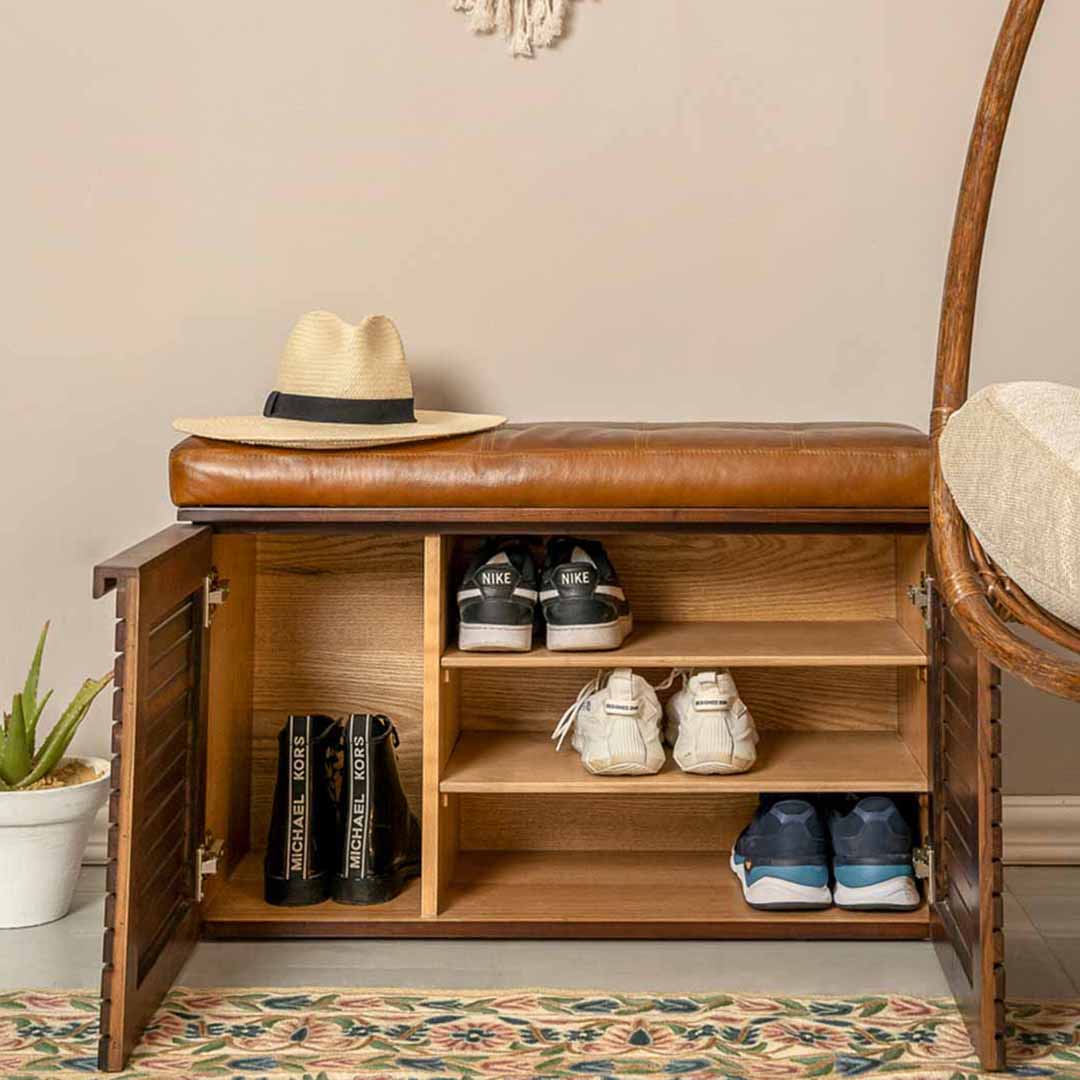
(22, 762)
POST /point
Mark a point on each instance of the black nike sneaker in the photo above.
(872, 864)
(583, 603)
(782, 857)
(497, 599)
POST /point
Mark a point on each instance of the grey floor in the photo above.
(1042, 923)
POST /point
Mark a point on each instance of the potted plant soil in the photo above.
(47, 802)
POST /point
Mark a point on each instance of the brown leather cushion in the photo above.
(576, 465)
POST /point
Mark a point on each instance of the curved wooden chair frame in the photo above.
(981, 597)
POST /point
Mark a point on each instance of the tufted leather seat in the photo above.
(570, 465)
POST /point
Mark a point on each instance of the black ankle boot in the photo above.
(303, 827)
(379, 843)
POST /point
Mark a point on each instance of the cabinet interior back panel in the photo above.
(701, 577)
(338, 629)
(789, 699)
(708, 822)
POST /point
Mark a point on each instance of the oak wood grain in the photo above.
(240, 900)
(440, 816)
(698, 888)
(733, 577)
(603, 822)
(788, 699)
(338, 629)
(870, 643)
(739, 576)
(499, 763)
(593, 895)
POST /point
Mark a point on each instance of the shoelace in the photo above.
(676, 673)
(566, 722)
(593, 686)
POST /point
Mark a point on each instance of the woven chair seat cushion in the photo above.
(1011, 459)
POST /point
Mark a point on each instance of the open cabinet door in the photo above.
(155, 806)
(967, 879)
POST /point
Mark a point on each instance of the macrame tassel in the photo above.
(524, 23)
(483, 16)
(548, 25)
(521, 39)
(539, 22)
(504, 17)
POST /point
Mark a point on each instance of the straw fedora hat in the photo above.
(340, 386)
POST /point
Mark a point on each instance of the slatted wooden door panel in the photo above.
(967, 912)
(155, 808)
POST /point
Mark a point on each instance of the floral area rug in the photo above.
(332, 1034)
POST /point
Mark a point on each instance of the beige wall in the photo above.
(701, 208)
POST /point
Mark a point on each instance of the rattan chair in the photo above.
(982, 598)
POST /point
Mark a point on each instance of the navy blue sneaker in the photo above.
(782, 857)
(872, 857)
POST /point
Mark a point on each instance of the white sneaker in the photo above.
(710, 728)
(616, 725)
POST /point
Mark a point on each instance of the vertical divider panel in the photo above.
(440, 813)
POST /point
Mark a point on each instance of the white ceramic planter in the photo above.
(42, 839)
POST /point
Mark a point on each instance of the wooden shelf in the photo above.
(588, 894)
(237, 909)
(487, 762)
(838, 643)
(641, 894)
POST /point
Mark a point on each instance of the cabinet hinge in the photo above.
(215, 593)
(922, 859)
(207, 857)
(921, 595)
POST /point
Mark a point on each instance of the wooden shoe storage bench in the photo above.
(243, 613)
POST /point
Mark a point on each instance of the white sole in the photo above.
(896, 894)
(633, 769)
(779, 895)
(477, 637)
(716, 768)
(585, 638)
